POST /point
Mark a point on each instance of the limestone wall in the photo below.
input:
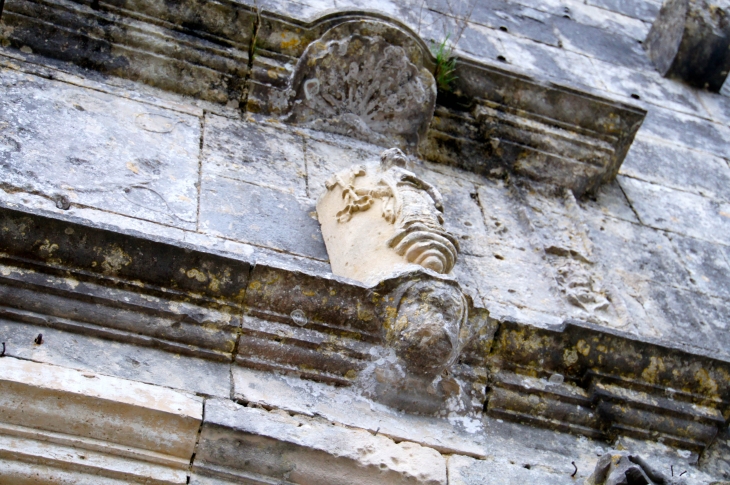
(647, 258)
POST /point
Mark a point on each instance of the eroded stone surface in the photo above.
(354, 82)
(253, 443)
(379, 219)
(690, 39)
(81, 147)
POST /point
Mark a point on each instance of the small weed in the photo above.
(445, 65)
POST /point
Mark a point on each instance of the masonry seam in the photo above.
(243, 106)
(197, 441)
(628, 201)
(200, 170)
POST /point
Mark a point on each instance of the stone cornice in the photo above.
(494, 122)
(67, 275)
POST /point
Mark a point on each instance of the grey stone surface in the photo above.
(649, 87)
(645, 10)
(260, 216)
(346, 406)
(707, 265)
(256, 152)
(467, 471)
(610, 200)
(248, 443)
(98, 150)
(687, 130)
(677, 211)
(659, 162)
(118, 359)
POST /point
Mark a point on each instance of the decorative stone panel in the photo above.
(354, 82)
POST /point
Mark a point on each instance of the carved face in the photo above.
(430, 318)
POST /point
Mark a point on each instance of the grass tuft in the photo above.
(445, 65)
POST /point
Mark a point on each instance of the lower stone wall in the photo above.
(60, 425)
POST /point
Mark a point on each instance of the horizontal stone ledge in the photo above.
(527, 126)
(253, 445)
(63, 420)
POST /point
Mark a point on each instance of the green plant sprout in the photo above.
(445, 65)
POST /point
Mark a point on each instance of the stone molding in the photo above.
(494, 122)
(55, 421)
(593, 381)
(250, 445)
(582, 378)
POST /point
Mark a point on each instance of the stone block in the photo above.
(690, 40)
(649, 87)
(676, 211)
(243, 443)
(507, 278)
(462, 214)
(255, 152)
(502, 216)
(636, 253)
(124, 360)
(537, 59)
(82, 147)
(609, 200)
(468, 471)
(707, 265)
(260, 216)
(111, 427)
(682, 169)
(327, 154)
(645, 10)
(686, 130)
(613, 47)
(348, 407)
(672, 313)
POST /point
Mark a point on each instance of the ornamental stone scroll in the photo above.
(379, 219)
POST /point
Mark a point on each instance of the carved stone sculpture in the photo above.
(621, 468)
(378, 219)
(428, 323)
(431, 326)
(365, 87)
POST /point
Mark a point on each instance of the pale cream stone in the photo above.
(378, 219)
(248, 445)
(57, 422)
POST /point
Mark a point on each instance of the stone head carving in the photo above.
(377, 219)
(431, 326)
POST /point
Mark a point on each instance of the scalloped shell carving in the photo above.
(364, 87)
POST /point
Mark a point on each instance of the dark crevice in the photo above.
(200, 170)
(197, 441)
(243, 106)
(2, 4)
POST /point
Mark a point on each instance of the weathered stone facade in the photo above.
(541, 250)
